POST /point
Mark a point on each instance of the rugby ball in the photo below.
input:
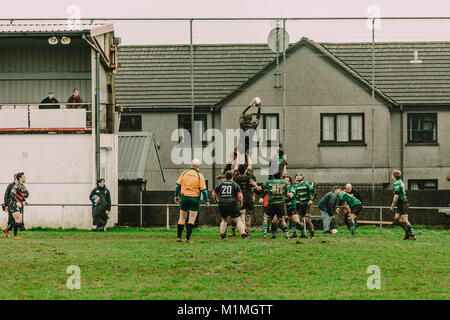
(334, 231)
(257, 100)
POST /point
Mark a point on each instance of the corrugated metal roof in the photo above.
(160, 75)
(46, 27)
(134, 152)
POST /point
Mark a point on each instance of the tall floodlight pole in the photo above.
(373, 108)
(192, 92)
(284, 84)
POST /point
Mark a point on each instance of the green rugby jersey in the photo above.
(276, 189)
(290, 202)
(303, 192)
(349, 198)
(399, 188)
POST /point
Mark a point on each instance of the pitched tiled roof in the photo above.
(405, 82)
(160, 75)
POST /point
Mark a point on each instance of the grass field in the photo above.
(149, 264)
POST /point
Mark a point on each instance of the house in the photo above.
(335, 131)
(61, 149)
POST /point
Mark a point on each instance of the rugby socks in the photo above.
(285, 230)
(16, 228)
(189, 228)
(222, 235)
(274, 231)
(353, 228)
(410, 230)
(180, 230)
(293, 225)
(264, 229)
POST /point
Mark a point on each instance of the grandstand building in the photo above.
(329, 111)
(59, 146)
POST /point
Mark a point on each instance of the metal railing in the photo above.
(43, 107)
(169, 205)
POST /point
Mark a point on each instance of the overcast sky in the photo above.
(249, 31)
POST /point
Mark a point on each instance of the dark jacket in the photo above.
(7, 192)
(48, 100)
(328, 203)
(74, 100)
(105, 197)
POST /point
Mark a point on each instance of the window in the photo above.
(422, 127)
(342, 128)
(130, 123)
(270, 122)
(422, 184)
(184, 122)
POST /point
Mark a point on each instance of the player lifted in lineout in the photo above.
(248, 127)
(401, 217)
(229, 196)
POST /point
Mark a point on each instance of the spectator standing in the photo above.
(50, 100)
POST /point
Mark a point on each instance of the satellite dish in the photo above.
(275, 40)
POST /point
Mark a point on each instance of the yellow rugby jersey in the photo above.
(191, 182)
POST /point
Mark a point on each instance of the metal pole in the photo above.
(167, 217)
(97, 114)
(62, 216)
(373, 108)
(192, 91)
(140, 208)
(381, 219)
(284, 85)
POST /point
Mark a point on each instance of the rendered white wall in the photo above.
(58, 170)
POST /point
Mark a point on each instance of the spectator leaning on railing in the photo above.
(74, 100)
(50, 100)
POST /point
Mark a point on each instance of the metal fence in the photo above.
(167, 206)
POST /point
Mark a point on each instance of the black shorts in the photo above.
(402, 206)
(248, 203)
(291, 212)
(229, 210)
(356, 209)
(275, 210)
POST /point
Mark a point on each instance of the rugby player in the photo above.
(190, 185)
(291, 205)
(246, 123)
(10, 223)
(229, 196)
(304, 196)
(277, 190)
(277, 163)
(16, 202)
(401, 216)
(244, 179)
(352, 206)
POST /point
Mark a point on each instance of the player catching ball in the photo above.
(247, 123)
(229, 196)
(401, 217)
